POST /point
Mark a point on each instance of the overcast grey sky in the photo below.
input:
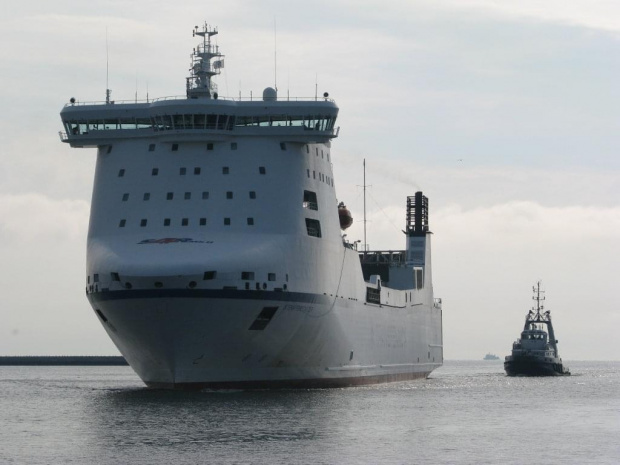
(506, 114)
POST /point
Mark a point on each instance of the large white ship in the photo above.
(216, 257)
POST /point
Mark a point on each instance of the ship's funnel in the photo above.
(417, 214)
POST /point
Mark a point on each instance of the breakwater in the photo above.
(61, 360)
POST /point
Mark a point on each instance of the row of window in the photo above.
(326, 179)
(201, 122)
(313, 227)
(316, 149)
(184, 222)
(233, 146)
(183, 171)
(208, 275)
(186, 196)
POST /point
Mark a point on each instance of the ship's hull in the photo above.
(534, 366)
(192, 339)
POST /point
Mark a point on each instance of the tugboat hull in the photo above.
(530, 366)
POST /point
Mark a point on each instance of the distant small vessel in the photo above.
(536, 352)
(490, 356)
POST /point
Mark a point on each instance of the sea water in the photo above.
(465, 413)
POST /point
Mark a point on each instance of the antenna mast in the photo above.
(108, 92)
(275, 54)
(365, 244)
(538, 298)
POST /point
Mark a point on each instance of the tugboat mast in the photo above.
(538, 298)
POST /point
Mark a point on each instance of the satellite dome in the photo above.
(270, 94)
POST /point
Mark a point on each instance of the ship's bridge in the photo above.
(305, 121)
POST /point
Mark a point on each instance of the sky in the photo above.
(506, 115)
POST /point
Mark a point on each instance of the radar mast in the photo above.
(199, 84)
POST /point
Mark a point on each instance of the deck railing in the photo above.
(183, 97)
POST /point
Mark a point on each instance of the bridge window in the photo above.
(203, 221)
(122, 223)
(197, 170)
(143, 222)
(154, 171)
(262, 170)
(310, 201)
(313, 227)
(250, 221)
(184, 221)
(225, 170)
(188, 195)
(252, 194)
(147, 196)
(205, 195)
(169, 195)
(121, 173)
(125, 197)
(166, 221)
(151, 147)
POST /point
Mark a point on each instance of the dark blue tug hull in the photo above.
(532, 366)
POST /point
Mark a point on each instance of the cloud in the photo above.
(29, 218)
(601, 15)
(595, 14)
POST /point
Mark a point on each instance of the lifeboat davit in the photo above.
(344, 215)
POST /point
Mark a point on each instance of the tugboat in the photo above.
(536, 352)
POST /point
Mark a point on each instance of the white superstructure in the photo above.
(215, 253)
